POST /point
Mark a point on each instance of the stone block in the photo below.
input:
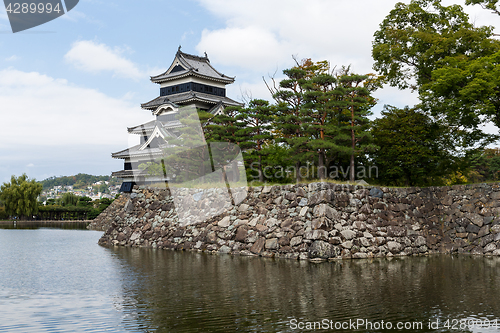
(295, 241)
(348, 234)
(272, 222)
(258, 246)
(420, 241)
(261, 228)
(284, 241)
(241, 234)
(486, 240)
(225, 249)
(323, 250)
(495, 195)
(485, 230)
(316, 234)
(472, 228)
(376, 192)
(271, 244)
(290, 196)
(396, 231)
(347, 245)
(321, 223)
(394, 247)
(303, 211)
(225, 222)
(303, 202)
(488, 219)
(490, 247)
(324, 196)
(475, 218)
(360, 255)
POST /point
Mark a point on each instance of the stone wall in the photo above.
(103, 221)
(318, 221)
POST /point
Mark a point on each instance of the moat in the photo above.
(61, 280)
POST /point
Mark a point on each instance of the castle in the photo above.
(189, 81)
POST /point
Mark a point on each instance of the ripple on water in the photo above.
(61, 281)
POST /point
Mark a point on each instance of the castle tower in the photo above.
(189, 81)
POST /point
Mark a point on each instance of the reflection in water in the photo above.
(61, 281)
(186, 292)
(75, 225)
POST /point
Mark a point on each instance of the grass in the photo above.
(255, 183)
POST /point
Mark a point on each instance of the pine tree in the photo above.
(323, 98)
(227, 138)
(356, 108)
(289, 118)
(257, 117)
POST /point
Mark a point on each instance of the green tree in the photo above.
(257, 118)
(69, 199)
(453, 64)
(414, 38)
(413, 150)
(466, 91)
(289, 120)
(358, 101)
(323, 98)
(486, 4)
(84, 202)
(20, 196)
(227, 134)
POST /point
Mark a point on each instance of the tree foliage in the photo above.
(20, 196)
(453, 64)
(413, 149)
(80, 180)
(257, 119)
(486, 4)
(69, 199)
(415, 38)
(322, 113)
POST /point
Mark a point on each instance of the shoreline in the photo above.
(317, 221)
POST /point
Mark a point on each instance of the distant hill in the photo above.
(80, 180)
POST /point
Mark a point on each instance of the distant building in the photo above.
(189, 81)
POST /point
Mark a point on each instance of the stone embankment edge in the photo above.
(316, 221)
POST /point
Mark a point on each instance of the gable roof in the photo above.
(158, 132)
(190, 65)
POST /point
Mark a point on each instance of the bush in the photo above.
(3, 214)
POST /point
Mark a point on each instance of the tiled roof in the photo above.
(134, 151)
(126, 173)
(194, 65)
(150, 126)
(188, 97)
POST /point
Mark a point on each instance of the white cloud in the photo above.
(260, 34)
(260, 37)
(11, 58)
(94, 57)
(42, 111)
(60, 128)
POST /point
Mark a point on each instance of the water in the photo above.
(61, 281)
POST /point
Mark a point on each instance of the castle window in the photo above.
(192, 86)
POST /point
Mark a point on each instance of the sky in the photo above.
(70, 88)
